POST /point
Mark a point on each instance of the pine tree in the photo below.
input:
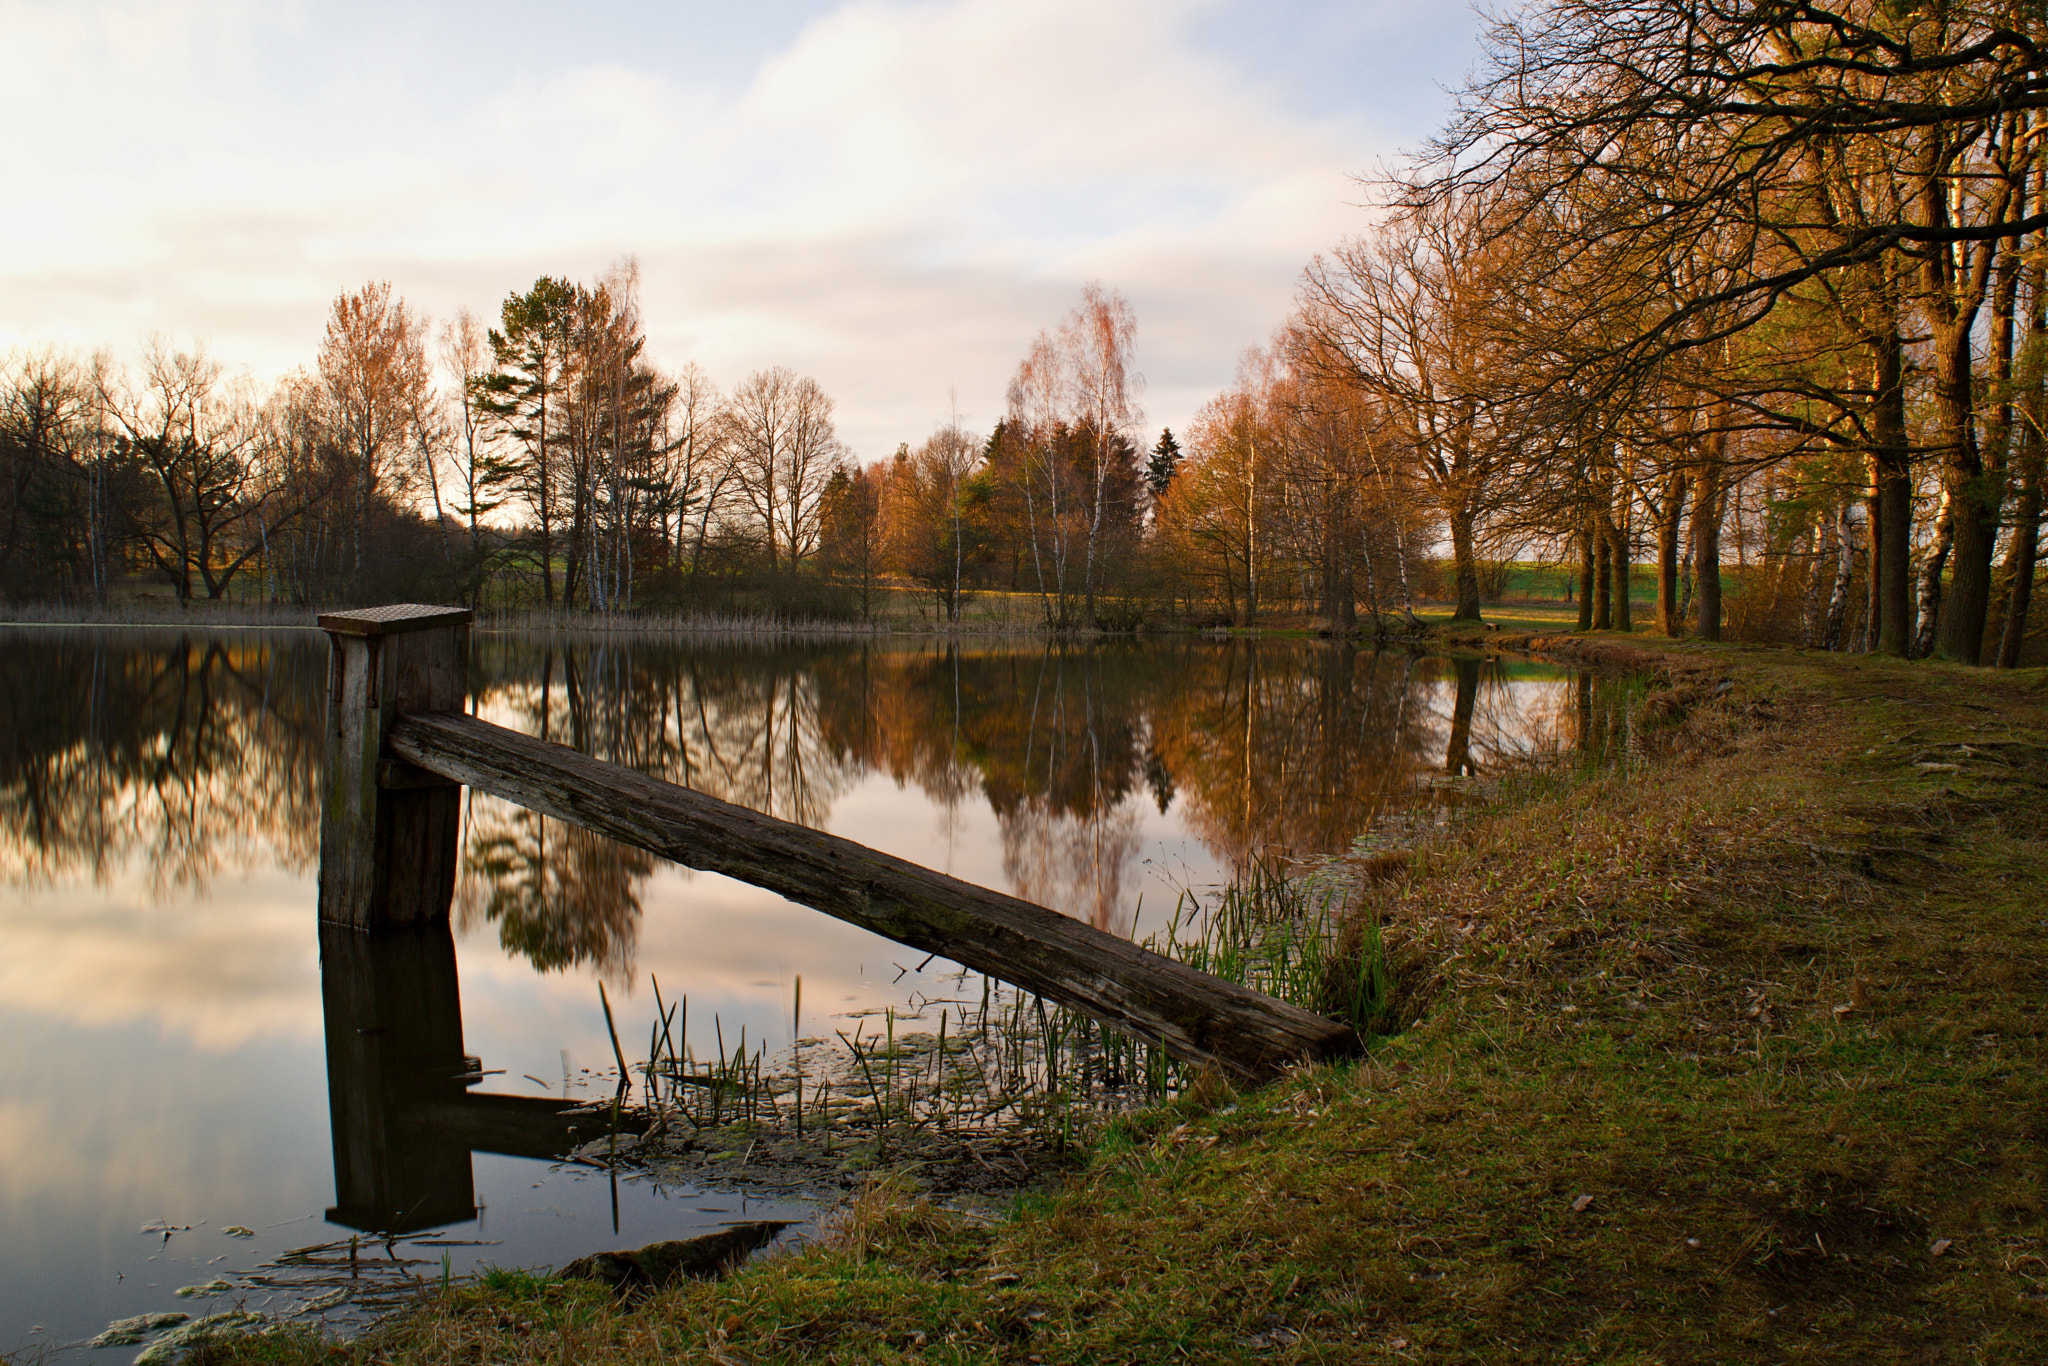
(1165, 460)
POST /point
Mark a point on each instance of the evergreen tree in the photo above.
(1165, 460)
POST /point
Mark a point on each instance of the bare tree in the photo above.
(196, 435)
(1405, 309)
(1097, 341)
(786, 451)
(482, 473)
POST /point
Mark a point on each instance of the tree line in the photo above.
(1752, 296)
(1691, 281)
(544, 459)
(1751, 293)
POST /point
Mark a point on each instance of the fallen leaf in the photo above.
(1579, 1205)
(1940, 1245)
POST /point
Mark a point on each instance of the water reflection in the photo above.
(174, 755)
(158, 836)
(185, 755)
(404, 1120)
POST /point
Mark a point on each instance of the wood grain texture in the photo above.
(1194, 1016)
(387, 840)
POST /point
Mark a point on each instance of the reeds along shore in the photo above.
(734, 626)
(986, 1062)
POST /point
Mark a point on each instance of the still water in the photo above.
(167, 1065)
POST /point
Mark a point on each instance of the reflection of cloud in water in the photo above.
(221, 970)
(734, 950)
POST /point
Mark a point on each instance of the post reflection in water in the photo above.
(394, 1056)
(404, 1120)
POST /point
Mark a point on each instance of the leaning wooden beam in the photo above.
(1194, 1016)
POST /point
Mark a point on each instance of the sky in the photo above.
(893, 196)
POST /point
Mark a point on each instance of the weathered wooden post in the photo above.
(388, 832)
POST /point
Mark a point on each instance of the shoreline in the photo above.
(1734, 1056)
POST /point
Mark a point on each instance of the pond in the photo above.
(176, 1084)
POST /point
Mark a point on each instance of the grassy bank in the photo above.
(1735, 1057)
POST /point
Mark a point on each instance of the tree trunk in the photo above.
(1464, 554)
(1975, 487)
(1930, 577)
(2022, 559)
(1193, 1016)
(1706, 542)
(1589, 570)
(1623, 562)
(1845, 570)
(1670, 616)
(1603, 574)
(2023, 556)
(1891, 541)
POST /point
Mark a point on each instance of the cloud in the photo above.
(892, 196)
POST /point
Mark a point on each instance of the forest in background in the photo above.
(1754, 296)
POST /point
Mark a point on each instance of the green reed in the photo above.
(989, 1058)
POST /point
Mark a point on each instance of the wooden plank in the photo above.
(1196, 1017)
(388, 835)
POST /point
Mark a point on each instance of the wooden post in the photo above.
(388, 832)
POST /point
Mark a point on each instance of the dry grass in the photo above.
(1734, 1057)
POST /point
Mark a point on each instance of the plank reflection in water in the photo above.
(404, 1120)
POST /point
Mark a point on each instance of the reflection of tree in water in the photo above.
(1060, 785)
(1497, 716)
(1297, 747)
(1053, 739)
(740, 725)
(1601, 719)
(181, 754)
(559, 895)
(1293, 745)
